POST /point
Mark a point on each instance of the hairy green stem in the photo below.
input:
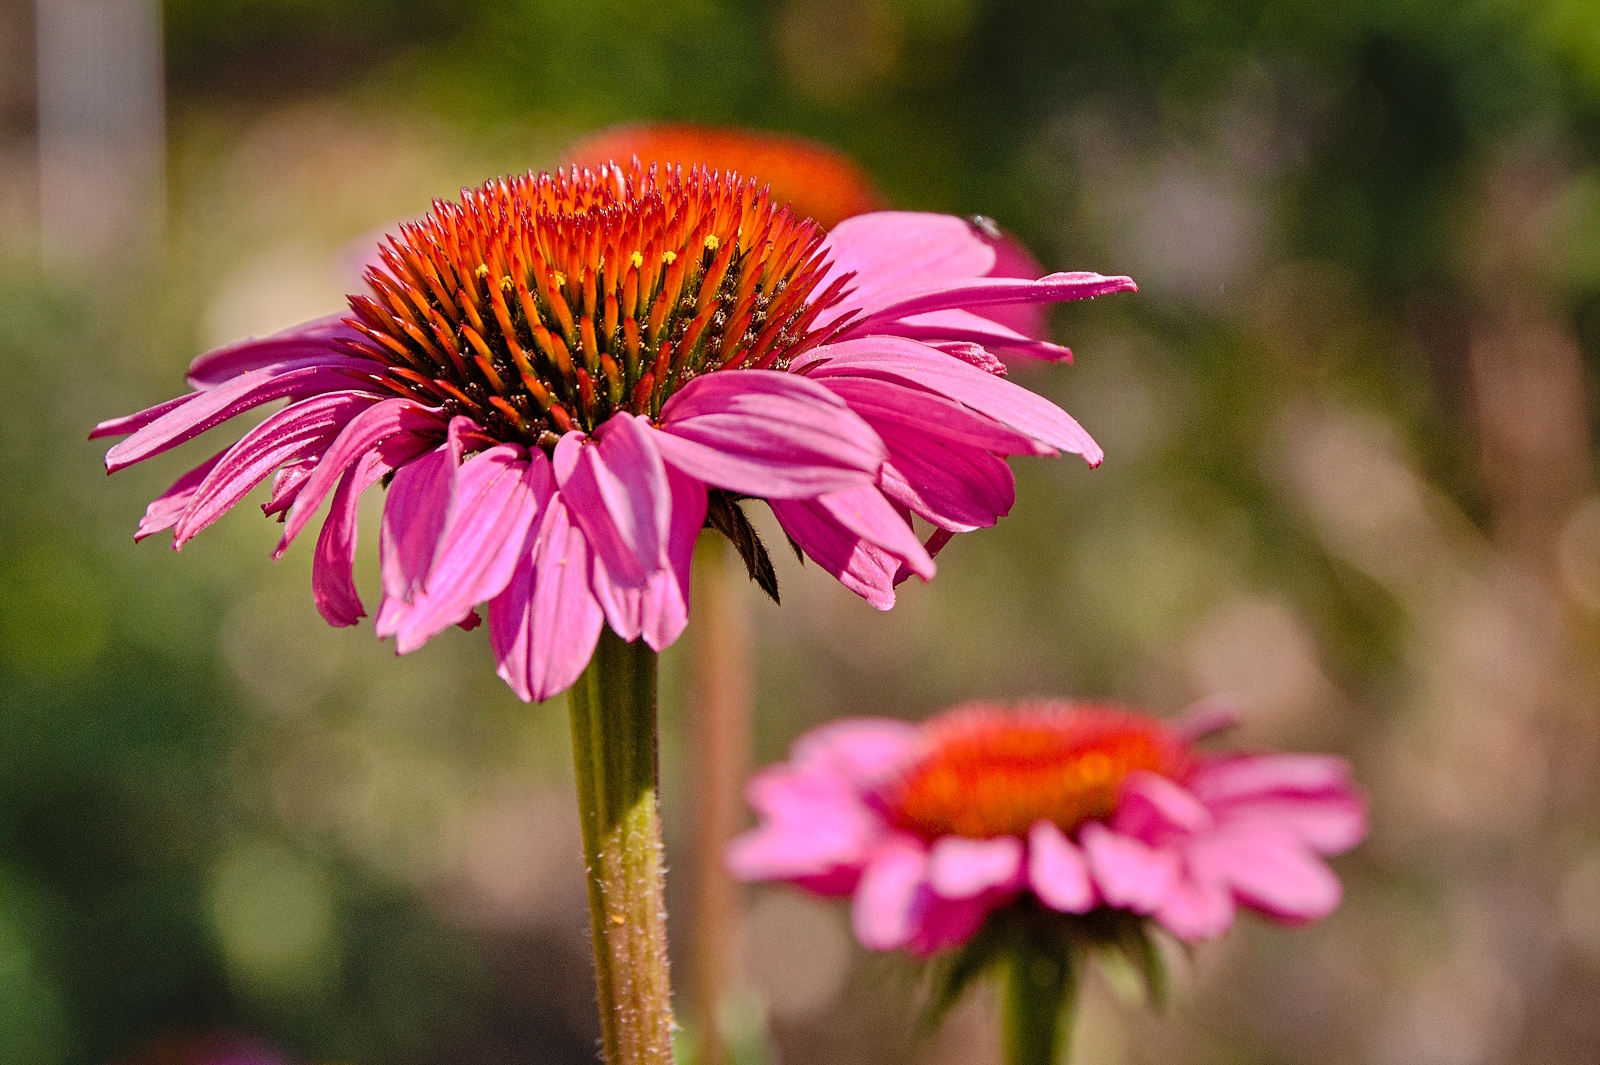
(613, 709)
(1036, 1009)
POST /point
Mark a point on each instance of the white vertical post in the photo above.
(102, 138)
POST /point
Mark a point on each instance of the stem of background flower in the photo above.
(613, 709)
(719, 755)
(1036, 1010)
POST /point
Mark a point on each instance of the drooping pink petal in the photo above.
(942, 922)
(1057, 871)
(499, 496)
(1268, 869)
(1128, 873)
(960, 868)
(864, 568)
(769, 434)
(864, 511)
(333, 586)
(914, 409)
(617, 492)
(1328, 824)
(300, 431)
(165, 510)
(417, 509)
(967, 327)
(401, 428)
(286, 485)
(813, 826)
(130, 423)
(206, 410)
(892, 890)
(898, 359)
(1196, 908)
(544, 626)
(316, 339)
(955, 487)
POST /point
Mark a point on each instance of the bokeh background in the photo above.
(1349, 426)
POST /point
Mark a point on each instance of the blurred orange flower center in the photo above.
(985, 772)
(544, 303)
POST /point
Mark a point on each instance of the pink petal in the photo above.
(1057, 871)
(867, 570)
(865, 751)
(165, 510)
(896, 251)
(864, 511)
(206, 410)
(618, 494)
(769, 434)
(1153, 809)
(1129, 874)
(544, 626)
(416, 511)
(333, 586)
(318, 338)
(1269, 870)
(286, 485)
(300, 431)
(1238, 776)
(499, 496)
(952, 486)
(943, 923)
(401, 428)
(961, 326)
(988, 292)
(130, 423)
(960, 868)
(1196, 908)
(1012, 259)
(1328, 824)
(916, 364)
(812, 826)
(1204, 718)
(892, 890)
(886, 403)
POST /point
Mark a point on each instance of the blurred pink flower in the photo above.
(932, 827)
(533, 376)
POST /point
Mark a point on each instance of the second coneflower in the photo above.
(1022, 837)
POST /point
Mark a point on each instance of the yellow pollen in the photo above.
(712, 242)
(561, 279)
(637, 260)
(669, 257)
(482, 270)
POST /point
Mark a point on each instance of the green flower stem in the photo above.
(1036, 1011)
(613, 709)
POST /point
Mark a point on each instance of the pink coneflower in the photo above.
(536, 376)
(933, 828)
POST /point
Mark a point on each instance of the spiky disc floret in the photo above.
(545, 303)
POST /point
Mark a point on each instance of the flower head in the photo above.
(1062, 807)
(561, 378)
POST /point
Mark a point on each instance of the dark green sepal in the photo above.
(724, 514)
